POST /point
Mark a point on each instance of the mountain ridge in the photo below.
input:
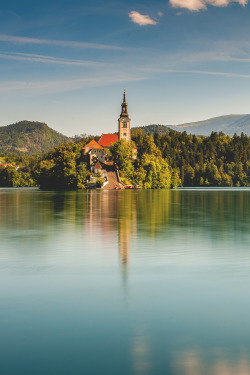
(228, 124)
(29, 137)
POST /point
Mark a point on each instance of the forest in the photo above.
(216, 160)
(163, 161)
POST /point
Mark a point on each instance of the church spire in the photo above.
(124, 105)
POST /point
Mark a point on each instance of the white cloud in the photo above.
(60, 43)
(141, 19)
(196, 5)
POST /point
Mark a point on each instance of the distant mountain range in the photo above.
(29, 137)
(229, 125)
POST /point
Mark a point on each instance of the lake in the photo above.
(125, 282)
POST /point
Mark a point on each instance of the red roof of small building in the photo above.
(107, 139)
(92, 144)
(98, 165)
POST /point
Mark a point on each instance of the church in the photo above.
(123, 127)
(97, 150)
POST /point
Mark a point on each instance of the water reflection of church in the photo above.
(115, 216)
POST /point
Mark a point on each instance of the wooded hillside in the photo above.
(29, 137)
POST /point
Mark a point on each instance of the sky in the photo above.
(67, 62)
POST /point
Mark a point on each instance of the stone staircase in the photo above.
(113, 182)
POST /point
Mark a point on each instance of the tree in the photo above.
(61, 170)
(122, 152)
(154, 172)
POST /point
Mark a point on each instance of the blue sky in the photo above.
(66, 62)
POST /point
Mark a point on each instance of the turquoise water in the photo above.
(125, 282)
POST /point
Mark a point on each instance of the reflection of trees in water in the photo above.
(153, 207)
(215, 211)
(121, 214)
(34, 209)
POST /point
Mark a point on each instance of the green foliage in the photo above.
(175, 179)
(154, 172)
(81, 176)
(122, 152)
(10, 177)
(163, 161)
(60, 169)
(150, 170)
(151, 129)
(217, 160)
(99, 182)
(24, 176)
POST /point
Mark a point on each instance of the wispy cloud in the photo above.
(195, 57)
(59, 43)
(141, 19)
(200, 72)
(196, 5)
(49, 59)
(45, 87)
(198, 57)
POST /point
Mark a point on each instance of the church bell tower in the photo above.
(124, 121)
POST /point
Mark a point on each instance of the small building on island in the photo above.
(97, 168)
(95, 152)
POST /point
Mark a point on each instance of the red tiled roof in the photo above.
(107, 139)
(98, 165)
(92, 144)
(6, 165)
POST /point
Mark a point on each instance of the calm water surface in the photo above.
(125, 282)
